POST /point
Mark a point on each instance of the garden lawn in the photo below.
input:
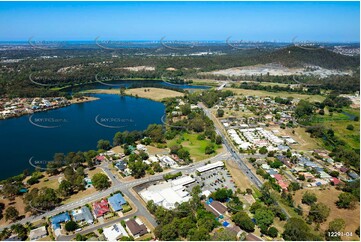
(195, 147)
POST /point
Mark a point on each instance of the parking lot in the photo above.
(213, 179)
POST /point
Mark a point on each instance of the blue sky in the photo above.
(253, 21)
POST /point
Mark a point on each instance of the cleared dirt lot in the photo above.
(329, 197)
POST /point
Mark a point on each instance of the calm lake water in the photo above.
(77, 127)
(74, 128)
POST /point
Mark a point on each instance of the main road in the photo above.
(244, 168)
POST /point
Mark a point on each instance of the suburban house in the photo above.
(353, 175)
(114, 232)
(121, 165)
(57, 220)
(99, 159)
(38, 233)
(334, 181)
(136, 228)
(116, 201)
(101, 208)
(83, 214)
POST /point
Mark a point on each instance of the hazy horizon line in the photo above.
(187, 40)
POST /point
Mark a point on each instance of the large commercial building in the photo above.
(168, 194)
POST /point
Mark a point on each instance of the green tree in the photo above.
(272, 232)
(345, 200)
(242, 220)
(103, 144)
(255, 206)
(200, 234)
(350, 127)
(263, 150)
(220, 113)
(334, 173)
(157, 167)
(224, 235)
(71, 226)
(319, 212)
(186, 109)
(297, 230)
(80, 237)
(264, 217)
(336, 225)
(126, 238)
(222, 194)
(209, 149)
(65, 188)
(100, 181)
(155, 132)
(10, 189)
(11, 213)
(304, 109)
(309, 198)
(218, 139)
(166, 232)
(41, 199)
(138, 169)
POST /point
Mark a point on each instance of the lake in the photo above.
(77, 127)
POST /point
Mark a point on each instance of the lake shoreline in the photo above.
(70, 102)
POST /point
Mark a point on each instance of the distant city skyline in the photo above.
(202, 21)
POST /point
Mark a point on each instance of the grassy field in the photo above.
(51, 182)
(329, 197)
(80, 195)
(154, 150)
(233, 113)
(117, 149)
(91, 173)
(156, 94)
(311, 98)
(195, 147)
(338, 122)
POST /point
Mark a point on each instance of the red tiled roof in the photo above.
(278, 177)
(101, 208)
(100, 157)
(282, 184)
(335, 180)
